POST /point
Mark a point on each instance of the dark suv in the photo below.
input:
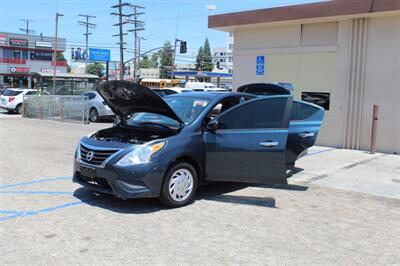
(165, 147)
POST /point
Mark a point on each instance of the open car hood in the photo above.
(264, 89)
(126, 98)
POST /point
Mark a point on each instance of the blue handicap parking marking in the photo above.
(260, 65)
(6, 215)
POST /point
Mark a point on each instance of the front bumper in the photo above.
(141, 181)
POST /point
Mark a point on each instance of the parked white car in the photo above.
(98, 109)
(12, 99)
(203, 86)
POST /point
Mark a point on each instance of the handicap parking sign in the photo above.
(260, 65)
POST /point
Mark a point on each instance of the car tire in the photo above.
(94, 115)
(18, 109)
(179, 186)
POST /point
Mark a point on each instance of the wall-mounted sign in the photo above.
(78, 54)
(260, 65)
(18, 42)
(99, 54)
(3, 39)
(19, 69)
(50, 70)
(43, 44)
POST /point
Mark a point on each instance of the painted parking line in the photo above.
(27, 192)
(35, 182)
(319, 152)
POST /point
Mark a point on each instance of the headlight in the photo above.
(78, 152)
(140, 155)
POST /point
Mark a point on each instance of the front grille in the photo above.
(99, 156)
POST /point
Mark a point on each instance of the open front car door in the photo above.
(247, 142)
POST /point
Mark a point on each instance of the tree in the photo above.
(154, 60)
(95, 69)
(199, 59)
(207, 57)
(145, 62)
(60, 56)
(166, 58)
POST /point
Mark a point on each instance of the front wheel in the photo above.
(94, 115)
(179, 186)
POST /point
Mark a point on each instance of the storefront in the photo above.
(22, 54)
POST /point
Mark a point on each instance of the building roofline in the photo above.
(304, 11)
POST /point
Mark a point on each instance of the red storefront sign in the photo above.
(19, 42)
(3, 39)
(19, 69)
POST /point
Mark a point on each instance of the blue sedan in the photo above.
(166, 147)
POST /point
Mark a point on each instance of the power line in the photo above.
(138, 25)
(87, 25)
(121, 34)
(26, 29)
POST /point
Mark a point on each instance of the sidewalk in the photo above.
(351, 170)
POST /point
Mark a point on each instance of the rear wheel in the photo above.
(18, 109)
(94, 115)
(180, 185)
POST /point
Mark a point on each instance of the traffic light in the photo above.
(183, 48)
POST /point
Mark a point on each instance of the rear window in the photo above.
(11, 93)
(301, 111)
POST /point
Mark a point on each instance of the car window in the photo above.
(11, 93)
(302, 111)
(256, 114)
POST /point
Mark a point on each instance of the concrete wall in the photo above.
(318, 57)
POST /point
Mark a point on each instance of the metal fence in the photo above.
(59, 108)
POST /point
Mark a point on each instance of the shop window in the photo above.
(319, 98)
(47, 56)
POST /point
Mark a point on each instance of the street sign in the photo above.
(99, 54)
(260, 65)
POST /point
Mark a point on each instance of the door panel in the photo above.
(306, 120)
(240, 156)
(250, 144)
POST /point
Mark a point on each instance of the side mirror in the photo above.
(212, 126)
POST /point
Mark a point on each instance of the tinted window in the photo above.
(319, 98)
(90, 95)
(301, 111)
(260, 113)
(11, 93)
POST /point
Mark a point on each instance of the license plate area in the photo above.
(89, 172)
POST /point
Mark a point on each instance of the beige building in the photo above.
(346, 50)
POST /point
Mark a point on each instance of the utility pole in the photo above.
(26, 29)
(121, 34)
(55, 54)
(88, 25)
(138, 25)
(139, 41)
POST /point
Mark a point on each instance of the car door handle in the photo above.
(306, 134)
(269, 143)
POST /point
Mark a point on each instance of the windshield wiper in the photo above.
(154, 124)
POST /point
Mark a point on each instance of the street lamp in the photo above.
(55, 54)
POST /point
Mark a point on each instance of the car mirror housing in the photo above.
(212, 126)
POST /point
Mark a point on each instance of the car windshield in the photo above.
(187, 109)
(11, 93)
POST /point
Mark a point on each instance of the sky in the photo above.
(165, 20)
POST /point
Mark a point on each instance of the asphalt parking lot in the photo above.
(341, 207)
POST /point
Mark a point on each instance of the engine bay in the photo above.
(129, 135)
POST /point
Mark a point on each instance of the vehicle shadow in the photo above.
(210, 192)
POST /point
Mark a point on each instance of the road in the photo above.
(342, 208)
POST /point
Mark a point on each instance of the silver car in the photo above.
(98, 109)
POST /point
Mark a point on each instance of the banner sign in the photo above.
(99, 54)
(3, 39)
(19, 42)
(260, 65)
(78, 54)
(19, 69)
(43, 44)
